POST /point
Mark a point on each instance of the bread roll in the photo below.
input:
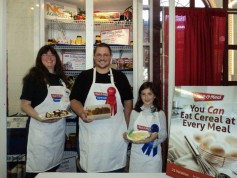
(232, 141)
(206, 142)
(197, 137)
(217, 149)
(231, 153)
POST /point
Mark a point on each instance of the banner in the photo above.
(116, 37)
(74, 61)
(203, 132)
(59, 10)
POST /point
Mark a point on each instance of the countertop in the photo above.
(101, 175)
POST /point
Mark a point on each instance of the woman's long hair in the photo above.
(41, 71)
(139, 102)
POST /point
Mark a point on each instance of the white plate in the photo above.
(138, 135)
(48, 118)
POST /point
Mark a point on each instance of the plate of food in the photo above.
(137, 135)
(98, 111)
(57, 114)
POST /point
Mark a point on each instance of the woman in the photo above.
(44, 90)
(147, 116)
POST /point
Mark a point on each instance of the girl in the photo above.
(147, 115)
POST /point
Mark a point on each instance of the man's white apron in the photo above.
(102, 147)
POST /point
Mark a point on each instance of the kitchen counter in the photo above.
(101, 175)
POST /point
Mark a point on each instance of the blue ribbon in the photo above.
(147, 147)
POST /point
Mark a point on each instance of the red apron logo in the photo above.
(100, 95)
(206, 96)
(141, 127)
(56, 97)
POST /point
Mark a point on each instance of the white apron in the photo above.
(102, 147)
(46, 140)
(139, 161)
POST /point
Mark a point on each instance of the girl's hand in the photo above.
(142, 141)
(152, 138)
(125, 136)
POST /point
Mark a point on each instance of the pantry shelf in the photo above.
(81, 25)
(82, 47)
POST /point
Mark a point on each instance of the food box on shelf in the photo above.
(74, 61)
(106, 16)
(116, 37)
(59, 10)
(122, 63)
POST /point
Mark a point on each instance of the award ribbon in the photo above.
(111, 100)
(147, 147)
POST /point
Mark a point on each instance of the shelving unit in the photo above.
(70, 28)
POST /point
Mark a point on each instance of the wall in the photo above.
(20, 39)
(3, 88)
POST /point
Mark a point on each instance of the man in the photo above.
(102, 147)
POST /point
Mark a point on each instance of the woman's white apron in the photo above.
(45, 145)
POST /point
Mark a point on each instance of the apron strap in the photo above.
(94, 76)
(110, 74)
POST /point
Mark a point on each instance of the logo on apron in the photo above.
(141, 127)
(56, 97)
(100, 96)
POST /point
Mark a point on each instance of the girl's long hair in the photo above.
(139, 102)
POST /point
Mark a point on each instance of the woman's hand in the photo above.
(30, 111)
(47, 120)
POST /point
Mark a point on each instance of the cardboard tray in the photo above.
(96, 109)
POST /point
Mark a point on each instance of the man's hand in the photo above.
(84, 117)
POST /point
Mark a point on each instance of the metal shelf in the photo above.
(81, 25)
(83, 47)
(77, 72)
(68, 47)
(72, 72)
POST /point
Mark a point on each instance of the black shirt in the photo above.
(33, 90)
(84, 80)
